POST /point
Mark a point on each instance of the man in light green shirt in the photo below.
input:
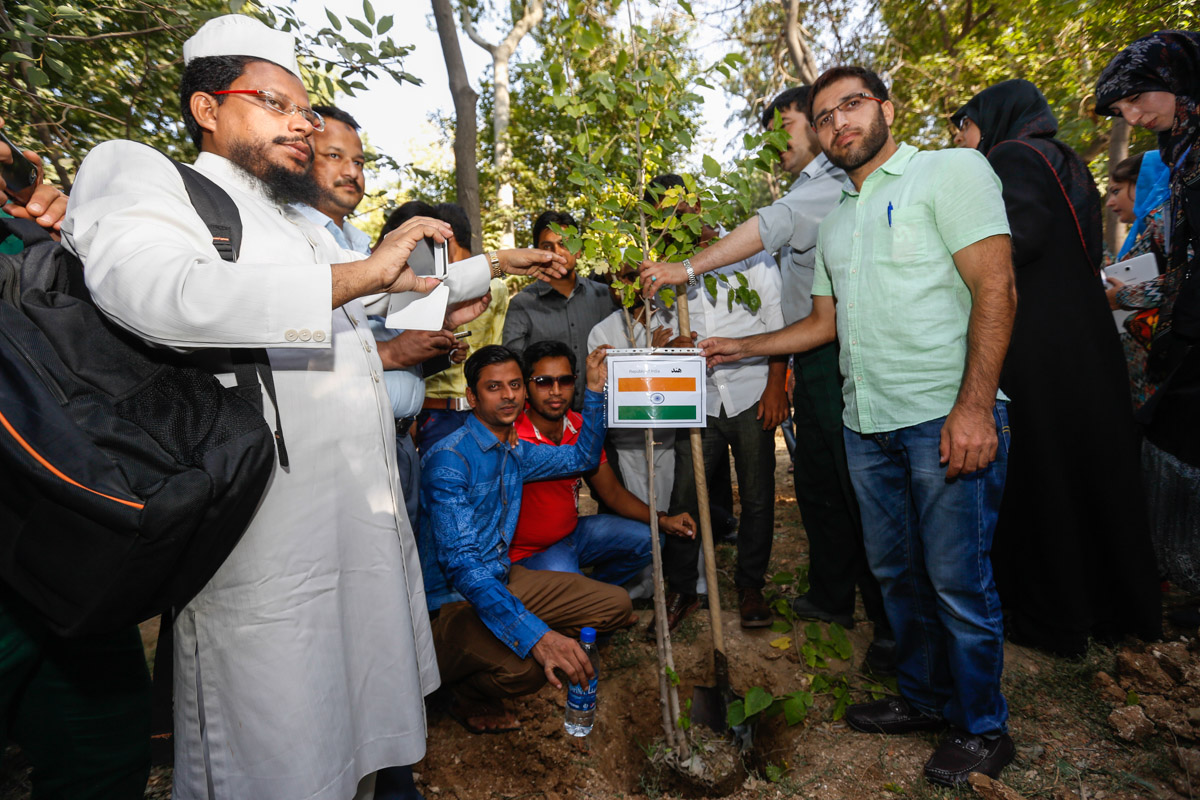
(914, 279)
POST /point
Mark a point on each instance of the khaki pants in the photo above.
(480, 668)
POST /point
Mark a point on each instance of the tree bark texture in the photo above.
(466, 172)
(798, 49)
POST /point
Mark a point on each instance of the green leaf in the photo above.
(782, 578)
(333, 19)
(369, 11)
(37, 77)
(672, 676)
(757, 699)
(841, 644)
(794, 710)
(780, 626)
(774, 773)
(1132, 698)
(361, 27)
(710, 283)
(385, 25)
(735, 714)
(712, 169)
(61, 69)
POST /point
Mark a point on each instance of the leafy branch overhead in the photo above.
(83, 72)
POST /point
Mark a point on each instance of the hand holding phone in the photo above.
(19, 176)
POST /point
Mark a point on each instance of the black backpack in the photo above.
(127, 472)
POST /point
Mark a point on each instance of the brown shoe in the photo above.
(679, 605)
(755, 611)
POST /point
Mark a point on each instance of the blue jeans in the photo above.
(616, 549)
(928, 542)
(433, 426)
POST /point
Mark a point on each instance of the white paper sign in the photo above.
(660, 388)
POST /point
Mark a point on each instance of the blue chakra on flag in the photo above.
(658, 398)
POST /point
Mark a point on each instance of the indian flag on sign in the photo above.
(656, 399)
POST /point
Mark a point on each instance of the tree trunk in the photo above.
(502, 155)
(502, 107)
(1118, 151)
(798, 49)
(466, 172)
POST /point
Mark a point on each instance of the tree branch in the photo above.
(472, 34)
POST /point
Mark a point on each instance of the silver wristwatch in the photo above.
(687, 265)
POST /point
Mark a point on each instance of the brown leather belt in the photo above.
(446, 404)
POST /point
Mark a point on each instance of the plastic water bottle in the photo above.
(581, 700)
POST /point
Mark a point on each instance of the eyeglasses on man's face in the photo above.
(546, 381)
(850, 105)
(281, 106)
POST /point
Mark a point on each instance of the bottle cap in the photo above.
(587, 635)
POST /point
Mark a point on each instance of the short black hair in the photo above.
(548, 218)
(548, 348)
(453, 215)
(1127, 170)
(657, 186)
(872, 81)
(333, 112)
(209, 74)
(793, 99)
(486, 356)
(413, 208)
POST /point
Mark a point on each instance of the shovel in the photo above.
(710, 703)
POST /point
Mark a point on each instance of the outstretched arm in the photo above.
(816, 329)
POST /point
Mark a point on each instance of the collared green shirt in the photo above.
(886, 253)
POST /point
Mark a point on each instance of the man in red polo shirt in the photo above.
(550, 533)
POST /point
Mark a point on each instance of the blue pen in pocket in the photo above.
(889, 215)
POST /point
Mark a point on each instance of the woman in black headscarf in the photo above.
(1154, 83)
(1072, 553)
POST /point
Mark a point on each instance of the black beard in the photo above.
(281, 184)
(872, 141)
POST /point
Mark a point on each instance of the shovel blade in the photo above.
(709, 708)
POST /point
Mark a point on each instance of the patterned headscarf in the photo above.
(1017, 110)
(1167, 61)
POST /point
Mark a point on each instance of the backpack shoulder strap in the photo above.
(216, 208)
(224, 221)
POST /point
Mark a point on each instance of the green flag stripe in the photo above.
(656, 412)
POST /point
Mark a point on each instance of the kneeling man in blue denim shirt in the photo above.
(917, 257)
(501, 630)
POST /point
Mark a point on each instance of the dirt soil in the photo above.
(1112, 725)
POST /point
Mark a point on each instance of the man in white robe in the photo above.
(301, 667)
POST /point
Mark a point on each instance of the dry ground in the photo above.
(1066, 748)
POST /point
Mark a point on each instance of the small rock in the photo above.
(1158, 709)
(991, 789)
(1030, 752)
(1143, 672)
(1173, 657)
(1193, 715)
(1107, 688)
(1189, 761)
(1130, 723)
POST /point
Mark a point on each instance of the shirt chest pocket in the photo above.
(909, 231)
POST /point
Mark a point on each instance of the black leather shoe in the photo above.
(754, 609)
(679, 605)
(890, 715)
(961, 753)
(804, 608)
(880, 660)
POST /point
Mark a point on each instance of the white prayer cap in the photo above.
(239, 35)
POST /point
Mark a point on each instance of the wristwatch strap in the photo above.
(494, 260)
(687, 264)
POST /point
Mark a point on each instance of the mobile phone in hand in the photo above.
(20, 176)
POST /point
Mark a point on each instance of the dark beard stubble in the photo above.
(872, 141)
(282, 185)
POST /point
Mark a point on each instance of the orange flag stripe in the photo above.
(656, 384)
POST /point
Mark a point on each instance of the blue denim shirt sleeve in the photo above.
(539, 461)
(479, 577)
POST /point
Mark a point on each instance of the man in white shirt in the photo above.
(283, 686)
(745, 405)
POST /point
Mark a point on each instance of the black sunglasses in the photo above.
(545, 381)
